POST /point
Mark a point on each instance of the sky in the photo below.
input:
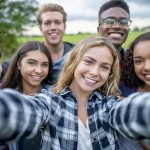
(82, 15)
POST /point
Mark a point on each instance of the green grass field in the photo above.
(74, 38)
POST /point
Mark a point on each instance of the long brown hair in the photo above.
(13, 78)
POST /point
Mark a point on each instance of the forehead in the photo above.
(142, 48)
(51, 15)
(99, 53)
(31, 55)
(115, 12)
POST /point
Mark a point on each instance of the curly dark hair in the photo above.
(128, 75)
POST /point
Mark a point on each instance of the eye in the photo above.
(45, 65)
(87, 61)
(58, 22)
(138, 61)
(106, 68)
(109, 21)
(46, 23)
(30, 62)
(125, 22)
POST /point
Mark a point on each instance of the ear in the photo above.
(99, 29)
(18, 65)
(40, 28)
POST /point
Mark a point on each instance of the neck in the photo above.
(118, 47)
(144, 88)
(30, 90)
(56, 50)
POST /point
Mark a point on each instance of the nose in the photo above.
(38, 69)
(94, 70)
(53, 26)
(116, 24)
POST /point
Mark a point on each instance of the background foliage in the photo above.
(14, 16)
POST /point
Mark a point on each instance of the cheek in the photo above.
(46, 71)
(137, 69)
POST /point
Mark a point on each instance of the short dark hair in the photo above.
(114, 3)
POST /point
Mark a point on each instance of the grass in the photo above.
(74, 38)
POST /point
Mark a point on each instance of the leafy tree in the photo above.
(15, 15)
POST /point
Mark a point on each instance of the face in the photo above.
(117, 33)
(52, 27)
(34, 69)
(93, 70)
(141, 57)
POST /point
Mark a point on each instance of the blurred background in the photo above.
(18, 21)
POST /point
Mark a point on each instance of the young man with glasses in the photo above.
(114, 21)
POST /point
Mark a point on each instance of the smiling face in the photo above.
(117, 33)
(52, 27)
(93, 70)
(141, 57)
(33, 69)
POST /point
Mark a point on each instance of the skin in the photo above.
(141, 56)
(33, 71)
(53, 29)
(90, 74)
(117, 34)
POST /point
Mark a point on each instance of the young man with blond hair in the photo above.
(52, 23)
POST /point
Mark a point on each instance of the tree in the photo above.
(15, 15)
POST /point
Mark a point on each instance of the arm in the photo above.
(20, 115)
(131, 117)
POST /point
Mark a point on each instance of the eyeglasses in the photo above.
(112, 22)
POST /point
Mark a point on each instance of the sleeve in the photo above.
(131, 117)
(20, 115)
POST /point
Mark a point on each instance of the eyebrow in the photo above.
(37, 60)
(105, 63)
(89, 57)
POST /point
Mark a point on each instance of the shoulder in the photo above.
(68, 44)
(125, 90)
(67, 47)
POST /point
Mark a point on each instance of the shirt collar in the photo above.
(66, 92)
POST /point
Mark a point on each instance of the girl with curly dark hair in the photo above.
(136, 74)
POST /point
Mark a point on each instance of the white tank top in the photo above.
(84, 139)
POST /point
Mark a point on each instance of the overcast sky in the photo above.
(83, 14)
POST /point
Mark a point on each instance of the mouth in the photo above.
(90, 81)
(37, 78)
(53, 34)
(147, 76)
(115, 34)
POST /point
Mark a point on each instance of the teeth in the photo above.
(90, 80)
(148, 75)
(53, 34)
(36, 78)
(116, 35)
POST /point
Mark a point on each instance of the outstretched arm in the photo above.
(131, 117)
(20, 115)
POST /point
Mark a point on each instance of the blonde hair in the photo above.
(51, 7)
(67, 74)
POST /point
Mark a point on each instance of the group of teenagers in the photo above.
(93, 95)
